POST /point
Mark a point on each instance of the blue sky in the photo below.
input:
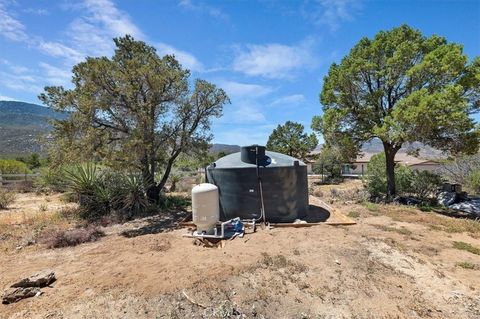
(269, 56)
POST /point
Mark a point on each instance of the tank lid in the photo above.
(204, 187)
(275, 160)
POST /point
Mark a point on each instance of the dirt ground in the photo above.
(396, 262)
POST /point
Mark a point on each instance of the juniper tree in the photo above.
(291, 139)
(402, 86)
(135, 110)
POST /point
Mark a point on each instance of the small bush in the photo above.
(51, 179)
(13, 167)
(174, 202)
(74, 237)
(467, 265)
(473, 181)
(6, 198)
(371, 206)
(376, 179)
(420, 184)
(69, 197)
(329, 163)
(131, 197)
(424, 184)
(353, 214)
(460, 169)
(466, 246)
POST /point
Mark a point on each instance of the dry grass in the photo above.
(353, 214)
(23, 224)
(277, 262)
(401, 230)
(6, 198)
(73, 237)
(467, 265)
(460, 245)
(433, 220)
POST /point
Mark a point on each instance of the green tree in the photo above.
(402, 87)
(33, 161)
(133, 111)
(291, 139)
(376, 179)
(329, 162)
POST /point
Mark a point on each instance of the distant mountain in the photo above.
(424, 151)
(13, 113)
(21, 125)
(375, 146)
(226, 148)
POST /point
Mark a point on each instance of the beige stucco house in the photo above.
(359, 166)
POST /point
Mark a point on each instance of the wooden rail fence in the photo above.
(10, 180)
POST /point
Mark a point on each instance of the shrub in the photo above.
(51, 179)
(460, 169)
(466, 246)
(329, 163)
(83, 179)
(131, 197)
(74, 237)
(376, 178)
(6, 198)
(101, 191)
(24, 186)
(94, 195)
(473, 181)
(13, 167)
(424, 184)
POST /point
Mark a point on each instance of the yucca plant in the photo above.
(94, 196)
(83, 179)
(174, 179)
(131, 197)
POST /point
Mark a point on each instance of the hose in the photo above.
(262, 208)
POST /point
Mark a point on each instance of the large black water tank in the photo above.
(284, 181)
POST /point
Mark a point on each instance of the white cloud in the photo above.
(54, 75)
(293, 99)
(20, 82)
(6, 98)
(203, 8)
(187, 60)
(14, 68)
(254, 134)
(92, 33)
(244, 90)
(275, 61)
(248, 113)
(114, 21)
(10, 27)
(57, 49)
(333, 12)
(36, 11)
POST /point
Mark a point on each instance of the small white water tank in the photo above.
(205, 207)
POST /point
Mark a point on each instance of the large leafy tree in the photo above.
(291, 139)
(135, 110)
(402, 86)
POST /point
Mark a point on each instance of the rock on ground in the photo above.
(38, 280)
(12, 295)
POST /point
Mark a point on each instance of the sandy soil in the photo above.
(382, 267)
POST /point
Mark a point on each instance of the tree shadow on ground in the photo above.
(455, 213)
(163, 222)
